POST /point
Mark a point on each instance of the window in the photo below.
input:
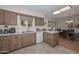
(26, 21)
(51, 25)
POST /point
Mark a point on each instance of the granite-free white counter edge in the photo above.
(27, 33)
(52, 31)
(15, 34)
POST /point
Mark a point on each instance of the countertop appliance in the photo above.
(5, 30)
(12, 30)
(0, 31)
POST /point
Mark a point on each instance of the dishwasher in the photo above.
(39, 37)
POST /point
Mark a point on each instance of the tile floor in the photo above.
(43, 48)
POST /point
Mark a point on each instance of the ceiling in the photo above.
(48, 9)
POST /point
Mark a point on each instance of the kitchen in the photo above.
(22, 27)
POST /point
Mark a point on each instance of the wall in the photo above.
(27, 12)
(20, 10)
(60, 23)
(19, 28)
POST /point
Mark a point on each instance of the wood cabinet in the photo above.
(28, 39)
(8, 17)
(32, 38)
(1, 17)
(45, 37)
(24, 40)
(13, 42)
(4, 44)
(51, 38)
(19, 41)
(39, 21)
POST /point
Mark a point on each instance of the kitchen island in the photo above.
(51, 37)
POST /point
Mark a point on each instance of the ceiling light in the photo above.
(71, 20)
(62, 10)
(65, 8)
(57, 12)
(67, 21)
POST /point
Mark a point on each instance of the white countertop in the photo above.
(28, 32)
(52, 31)
(15, 33)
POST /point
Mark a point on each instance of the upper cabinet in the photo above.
(39, 21)
(8, 17)
(1, 17)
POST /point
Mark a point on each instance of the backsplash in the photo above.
(7, 29)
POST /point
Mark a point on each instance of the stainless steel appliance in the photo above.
(0, 31)
(12, 30)
(5, 30)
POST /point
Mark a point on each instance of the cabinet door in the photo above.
(1, 44)
(24, 40)
(10, 18)
(4, 44)
(56, 37)
(28, 39)
(39, 21)
(32, 38)
(13, 43)
(7, 43)
(19, 41)
(1, 17)
(13, 17)
(7, 17)
(45, 37)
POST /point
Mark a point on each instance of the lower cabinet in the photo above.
(32, 39)
(13, 42)
(51, 38)
(4, 44)
(24, 40)
(45, 37)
